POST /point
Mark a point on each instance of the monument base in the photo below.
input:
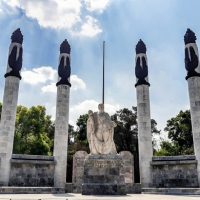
(103, 175)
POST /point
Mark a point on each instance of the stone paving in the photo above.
(80, 197)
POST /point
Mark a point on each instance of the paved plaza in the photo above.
(80, 197)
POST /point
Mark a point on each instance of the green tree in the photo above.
(70, 152)
(80, 135)
(34, 131)
(34, 134)
(77, 141)
(126, 134)
(81, 128)
(167, 149)
(179, 132)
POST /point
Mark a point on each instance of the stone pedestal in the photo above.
(102, 175)
(144, 134)
(78, 170)
(61, 135)
(127, 170)
(194, 94)
(7, 126)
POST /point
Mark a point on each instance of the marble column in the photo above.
(9, 107)
(143, 115)
(193, 78)
(62, 116)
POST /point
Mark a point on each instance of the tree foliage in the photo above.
(78, 142)
(179, 132)
(126, 134)
(34, 131)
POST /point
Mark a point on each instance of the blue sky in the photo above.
(161, 24)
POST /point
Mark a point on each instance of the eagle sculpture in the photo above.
(141, 68)
(15, 56)
(64, 69)
(191, 57)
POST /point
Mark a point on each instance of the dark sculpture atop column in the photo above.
(191, 54)
(141, 68)
(64, 69)
(140, 47)
(17, 36)
(189, 37)
(15, 55)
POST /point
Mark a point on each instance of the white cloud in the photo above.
(96, 5)
(9, 7)
(77, 84)
(55, 14)
(63, 14)
(39, 75)
(83, 107)
(13, 3)
(47, 77)
(89, 28)
(51, 88)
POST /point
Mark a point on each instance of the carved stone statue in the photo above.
(64, 69)
(100, 132)
(191, 54)
(141, 68)
(15, 55)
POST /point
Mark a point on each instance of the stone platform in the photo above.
(172, 191)
(72, 196)
(102, 175)
(31, 190)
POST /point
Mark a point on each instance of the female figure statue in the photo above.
(100, 132)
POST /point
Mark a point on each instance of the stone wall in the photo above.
(31, 170)
(174, 171)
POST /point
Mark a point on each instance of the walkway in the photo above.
(80, 197)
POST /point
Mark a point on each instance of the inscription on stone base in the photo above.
(102, 175)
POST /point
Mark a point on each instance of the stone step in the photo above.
(31, 190)
(103, 189)
(173, 191)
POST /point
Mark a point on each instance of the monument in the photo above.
(143, 115)
(103, 171)
(8, 115)
(62, 115)
(102, 167)
(193, 78)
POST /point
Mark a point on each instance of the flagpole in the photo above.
(103, 72)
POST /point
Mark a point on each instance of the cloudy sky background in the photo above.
(86, 23)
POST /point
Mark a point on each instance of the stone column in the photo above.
(9, 107)
(193, 78)
(143, 115)
(62, 116)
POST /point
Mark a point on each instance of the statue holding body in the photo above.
(100, 132)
